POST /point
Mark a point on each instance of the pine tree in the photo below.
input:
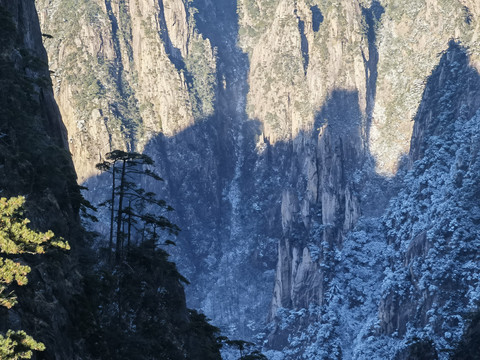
(140, 301)
(130, 166)
(15, 239)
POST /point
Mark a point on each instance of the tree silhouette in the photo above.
(245, 348)
(125, 168)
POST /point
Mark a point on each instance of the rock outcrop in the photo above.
(125, 71)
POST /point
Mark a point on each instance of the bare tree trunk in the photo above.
(112, 216)
(119, 214)
(129, 236)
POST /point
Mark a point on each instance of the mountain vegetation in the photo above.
(16, 239)
(134, 214)
(138, 297)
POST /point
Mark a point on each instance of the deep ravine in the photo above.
(292, 138)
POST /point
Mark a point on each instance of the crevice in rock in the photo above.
(371, 17)
(116, 44)
(303, 42)
(172, 52)
(317, 18)
(468, 16)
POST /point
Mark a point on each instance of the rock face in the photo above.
(32, 131)
(293, 159)
(34, 162)
(125, 71)
(58, 305)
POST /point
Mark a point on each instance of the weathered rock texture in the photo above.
(125, 71)
(389, 46)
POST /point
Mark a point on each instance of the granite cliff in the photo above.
(62, 306)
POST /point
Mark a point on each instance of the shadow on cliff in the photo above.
(451, 96)
(227, 183)
(450, 99)
(201, 162)
(372, 17)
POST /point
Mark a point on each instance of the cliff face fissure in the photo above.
(317, 17)
(116, 41)
(372, 17)
(173, 53)
(304, 41)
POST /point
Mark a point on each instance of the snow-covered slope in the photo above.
(411, 276)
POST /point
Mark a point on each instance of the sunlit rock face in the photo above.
(125, 71)
(291, 137)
